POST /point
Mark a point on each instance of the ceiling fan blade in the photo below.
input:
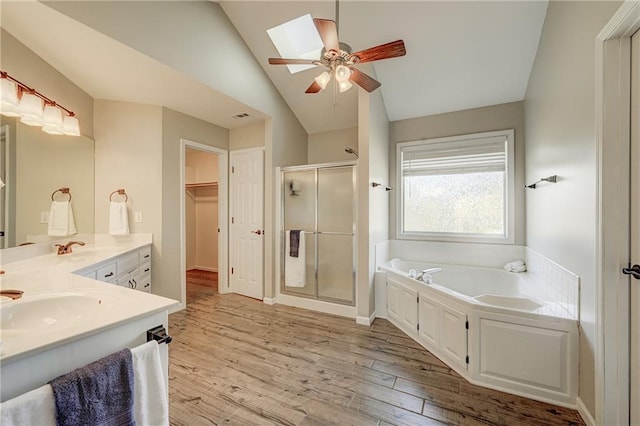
(363, 80)
(328, 33)
(314, 88)
(283, 61)
(384, 51)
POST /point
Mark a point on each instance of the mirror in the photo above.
(34, 164)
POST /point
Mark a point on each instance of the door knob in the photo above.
(634, 271)
(259, 232)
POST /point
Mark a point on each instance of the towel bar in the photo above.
(159, 334)
(62, 190)
(119, 192)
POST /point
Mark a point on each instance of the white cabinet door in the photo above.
(429, 321)
(453, 339)
(402, 308)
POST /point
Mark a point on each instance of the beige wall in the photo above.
(373, 203)
(176, 126)
(559, 112)
(251, 136)
(328, 147)
(496, 117)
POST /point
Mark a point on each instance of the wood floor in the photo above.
(235, 360)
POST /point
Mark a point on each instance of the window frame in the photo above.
(509, 201)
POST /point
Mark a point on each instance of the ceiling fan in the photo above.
(337, 58)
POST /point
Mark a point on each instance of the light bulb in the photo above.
(52, 120)
(323, 79)
(30, 108)
(71, 126)
(344, 85)
(9, 96)
(342, 73)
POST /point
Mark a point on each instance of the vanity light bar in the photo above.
(34, 108)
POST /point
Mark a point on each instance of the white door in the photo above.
(246, 245)
(453, 338)
(635, 230)
(429, 321)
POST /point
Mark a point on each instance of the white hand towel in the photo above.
(61, 222)
(150, 406)
(295, 268)
(36, 407)
(118, 218)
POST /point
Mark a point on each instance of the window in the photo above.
(297, 38)
(457, 188)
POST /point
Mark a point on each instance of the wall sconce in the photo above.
(295, 186)
(34, 109)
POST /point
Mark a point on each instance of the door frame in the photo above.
(613, 85)
(223, 235)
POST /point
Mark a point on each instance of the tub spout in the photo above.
(425, 274)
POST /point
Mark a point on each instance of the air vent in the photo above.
(240, 115)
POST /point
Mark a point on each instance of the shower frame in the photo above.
(283, 191)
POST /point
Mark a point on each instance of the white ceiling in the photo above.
(460, 55)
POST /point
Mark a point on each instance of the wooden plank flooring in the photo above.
(235, 360)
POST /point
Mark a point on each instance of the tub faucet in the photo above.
(66, 248)
(425, 274)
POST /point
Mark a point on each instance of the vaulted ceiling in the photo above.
(460, 55)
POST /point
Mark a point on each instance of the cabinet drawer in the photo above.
(145, 268)
(107, 273)
(127, 264)
(144, 283)
(145, 254)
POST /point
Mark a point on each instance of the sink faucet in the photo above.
(66, 248)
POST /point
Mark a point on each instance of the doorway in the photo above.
(634, 394)
(203, 210)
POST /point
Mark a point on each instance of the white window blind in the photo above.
(468, 156)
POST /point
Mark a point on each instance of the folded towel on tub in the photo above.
(100, 393)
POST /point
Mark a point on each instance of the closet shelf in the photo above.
(201, 185)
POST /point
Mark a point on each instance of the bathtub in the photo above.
(495, 328)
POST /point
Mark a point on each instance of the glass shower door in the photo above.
(335, 261)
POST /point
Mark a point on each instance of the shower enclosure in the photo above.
(319, 200)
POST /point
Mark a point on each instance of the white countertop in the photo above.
(100, 306)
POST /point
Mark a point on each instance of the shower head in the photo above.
(352, 151)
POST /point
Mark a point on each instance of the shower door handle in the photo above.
(634, 271)
(259, 232)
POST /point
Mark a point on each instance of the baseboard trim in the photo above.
(204, 268)
(317, 305)
(269, 300)
(584, 413)
(366, 320)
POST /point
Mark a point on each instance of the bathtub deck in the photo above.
(235, 360)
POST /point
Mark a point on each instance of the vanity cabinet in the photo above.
(131, 270)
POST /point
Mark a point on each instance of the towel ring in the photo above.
(119, 192)
(62, 190)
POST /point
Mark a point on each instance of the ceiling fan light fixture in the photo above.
(323, 79)
(344, 85)
(342, 73)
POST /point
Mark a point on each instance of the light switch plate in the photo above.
(138, 217)
(44, 217)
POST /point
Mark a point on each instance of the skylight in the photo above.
(297, 39)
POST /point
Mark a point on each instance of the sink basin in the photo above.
(48, 312)
(519, 303)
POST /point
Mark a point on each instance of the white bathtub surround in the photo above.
(561, 285)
